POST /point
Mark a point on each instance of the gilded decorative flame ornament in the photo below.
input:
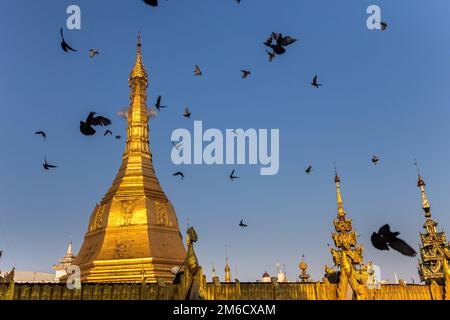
(435, 251)
(134, 227)
(352, 273)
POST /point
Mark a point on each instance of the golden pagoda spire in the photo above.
(139, 69)
(337, 181)
(425, 203)
(227, 267)
(433, 263)
(135, 224)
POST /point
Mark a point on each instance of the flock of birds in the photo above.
(381, 240)
(276, 44)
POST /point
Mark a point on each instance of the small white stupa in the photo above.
(64, 263)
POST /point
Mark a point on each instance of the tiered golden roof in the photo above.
(134, 229)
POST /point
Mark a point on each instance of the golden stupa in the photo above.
(133, 232)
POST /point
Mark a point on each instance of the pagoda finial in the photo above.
(213, 270)
(227, 267)
(139, 69)
(421, 184)
(69, 248)
(303, 266)
(337, 181)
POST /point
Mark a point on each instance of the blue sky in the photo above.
(383, 93)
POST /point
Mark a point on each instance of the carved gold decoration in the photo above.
(122, 248)
(433, 252)
(127, 209)
(161, 214)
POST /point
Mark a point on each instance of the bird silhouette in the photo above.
(383, 26)
(187, 113)
(180, 174)
(108, 132)
(375, 159)
(271, 55)
(245, 74)
(308, 170)
(232, 176)
(64, 45)
(42, 133)
(93, 53)
(48, 166)
(86, 127)
(158, 105)
(197, 71)
(153, 3)
(280, 42)
(385, 239)
(242, 224)
(314, 82)
(118, 137)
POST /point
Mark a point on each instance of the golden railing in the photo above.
(214, 291)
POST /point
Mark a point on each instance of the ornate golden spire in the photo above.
(337, 181)
(227, 267)
(348, 254)
(139, 69)
(227, 272)
(433, 263)
(425, 204)
(135, 224)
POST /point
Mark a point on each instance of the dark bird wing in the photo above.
(385, 230)
(153, 3)
(287, 41)
(402, 247)
(86, 129)
(64, 45)
(42, 133)
(268, 42)
(277, 36)
(100, 121)
(69, 47)
(158, 101)
(378, 242)
(90, 117)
